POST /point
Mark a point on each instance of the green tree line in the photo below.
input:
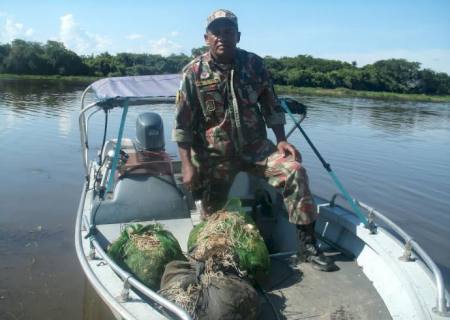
(392, 75)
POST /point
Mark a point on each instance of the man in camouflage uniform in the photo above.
(225, 101)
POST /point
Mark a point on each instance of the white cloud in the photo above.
(79, 40)
(174, 34)
(29, 32)
(134, 36)
(165, 47)
(12, 29)
(435, 59)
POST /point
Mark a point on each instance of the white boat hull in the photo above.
(407, 288)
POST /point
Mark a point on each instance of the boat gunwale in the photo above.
(95, 282)
(410, 246)
(126, 278)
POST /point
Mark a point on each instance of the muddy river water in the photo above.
(394, 156)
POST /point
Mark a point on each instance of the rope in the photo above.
(237, 118)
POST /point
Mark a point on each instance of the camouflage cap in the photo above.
(221, 14)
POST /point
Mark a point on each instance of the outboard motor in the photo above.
(150, 132)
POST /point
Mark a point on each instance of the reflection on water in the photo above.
(393, 155)
(391, 117)
(93, 306)
(41, 97)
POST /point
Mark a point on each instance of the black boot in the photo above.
(309, 250)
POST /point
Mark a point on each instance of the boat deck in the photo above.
(298, 291)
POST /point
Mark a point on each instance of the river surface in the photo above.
(394, 156)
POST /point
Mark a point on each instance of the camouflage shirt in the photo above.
(223, 110)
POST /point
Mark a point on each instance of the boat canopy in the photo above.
(136, 90)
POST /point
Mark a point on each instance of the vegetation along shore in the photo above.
(349, 93)
(396, 79)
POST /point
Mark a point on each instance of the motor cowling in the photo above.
(150, 132)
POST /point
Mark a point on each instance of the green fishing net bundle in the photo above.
(231, 238)
(145, 251)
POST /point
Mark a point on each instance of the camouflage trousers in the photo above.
(216, 177)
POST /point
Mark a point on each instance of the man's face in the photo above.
(222, 37)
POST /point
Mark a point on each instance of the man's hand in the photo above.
(287, 149)
(189, 175)
(284, 147)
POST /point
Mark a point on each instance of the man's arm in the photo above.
(274, 115)
(182, 132)
(187, 168)
(278, 130)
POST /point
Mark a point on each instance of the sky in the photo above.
(348, 30)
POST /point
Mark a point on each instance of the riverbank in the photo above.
(339, 92)
(87, 79)
(343, 92)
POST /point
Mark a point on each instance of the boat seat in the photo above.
(146, 163)
(145, 189)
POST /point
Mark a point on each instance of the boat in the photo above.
(383, 272)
